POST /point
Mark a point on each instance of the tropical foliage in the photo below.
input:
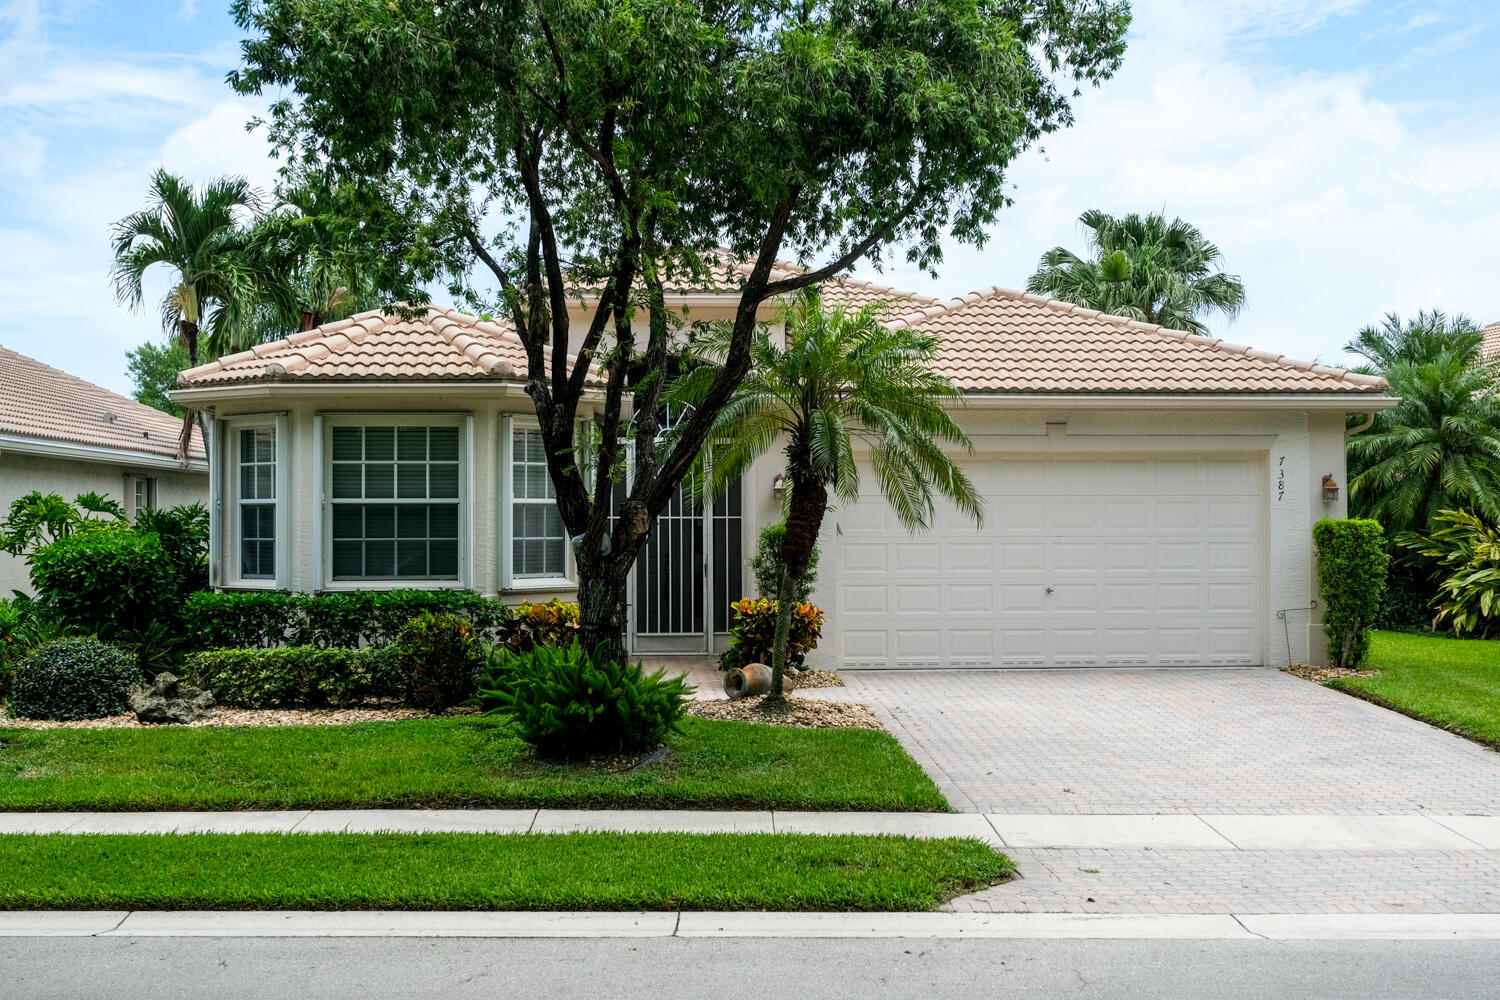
(1144, 268)
(752, 633)
(840, 378)
(36, 520)
(153, 368)
(1438, 449)
(1423, 340)
(1468, 550)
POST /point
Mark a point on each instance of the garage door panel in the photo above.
(1149, 561)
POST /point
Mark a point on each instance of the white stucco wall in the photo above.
(1296, 447)
(22, 473)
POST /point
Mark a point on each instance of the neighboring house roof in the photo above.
(438, 345)
(43, 403)
(1491, 346)
(1001, 341)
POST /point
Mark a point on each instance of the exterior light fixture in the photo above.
(1330, 489)
(778, 483)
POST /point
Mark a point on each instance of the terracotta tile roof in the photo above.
(439, 345)
(1000, 341)
(1491, 346)
(39, 401)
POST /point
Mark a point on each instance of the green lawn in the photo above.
(575, 871)
(1451, 683)
(465, 762)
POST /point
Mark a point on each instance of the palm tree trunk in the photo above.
(803, 521)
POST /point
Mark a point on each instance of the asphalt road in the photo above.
(802, 969)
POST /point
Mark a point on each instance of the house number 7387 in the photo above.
(1280, 478)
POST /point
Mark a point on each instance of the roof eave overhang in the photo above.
(201, 396)
(1350, 402)
(21, 444)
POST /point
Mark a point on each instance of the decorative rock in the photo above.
(168, 699)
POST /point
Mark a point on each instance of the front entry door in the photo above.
(686, 574)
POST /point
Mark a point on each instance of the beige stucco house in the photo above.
(60, 434)
(1150, 494)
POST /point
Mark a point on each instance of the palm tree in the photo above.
(316, 272)
(1144, 268)
(840, 376)
(1438, 449)
(1416, 342)
(197, 234)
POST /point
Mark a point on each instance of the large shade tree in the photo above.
(839, 378)
(531, 151)
(1143, 267)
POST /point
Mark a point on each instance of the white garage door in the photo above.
(1080, 562)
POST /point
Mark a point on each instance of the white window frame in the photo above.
(133, 483)
(229, 502)
(509, 424)
(326, 422)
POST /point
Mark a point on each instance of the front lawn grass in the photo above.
(460, 871)
(1451, 683)
(456, 763)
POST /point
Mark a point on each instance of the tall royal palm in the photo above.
(197, 234)
(839, 378)
(1142, 267)
(1438, 449)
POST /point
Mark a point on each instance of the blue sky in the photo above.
(1344, 155)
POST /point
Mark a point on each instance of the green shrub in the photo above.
(73, 679)
(107, 582)
(531, 625)
(183, 532)
(1468, 549)
(766, 565)
(249, 620)
(294, 676)
(752, 633)
(260, 619)
(1352, 564)
(1407, 604)
(568, 703)
(440, 658)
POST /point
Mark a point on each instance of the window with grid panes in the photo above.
(394, 494)
(539, 541)
(256, 461)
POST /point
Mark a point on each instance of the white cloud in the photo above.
(1332, 204)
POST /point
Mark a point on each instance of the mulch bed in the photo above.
(794, 712)
(1322, 675)
(246, 717)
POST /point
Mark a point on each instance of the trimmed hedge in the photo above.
(111, 582)
(1352, 564)
(260, 620)
(73, 679)
(299, 676)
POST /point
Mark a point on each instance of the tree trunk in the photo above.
(803, 521)
(601, 608)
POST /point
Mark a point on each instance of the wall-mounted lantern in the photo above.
(778, 483)
(1330, 489)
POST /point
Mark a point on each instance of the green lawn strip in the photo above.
(463, 871)
(464, 762)
(1452, 683)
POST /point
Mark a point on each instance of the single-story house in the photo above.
(60, 434)
(1151, 494)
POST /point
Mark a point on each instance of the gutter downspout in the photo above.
(1360, 427)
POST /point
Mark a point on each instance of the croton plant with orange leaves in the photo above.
(753, 631)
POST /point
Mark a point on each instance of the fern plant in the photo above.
(568, 702)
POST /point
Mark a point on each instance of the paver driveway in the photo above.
(1172, 741)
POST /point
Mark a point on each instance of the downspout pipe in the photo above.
(1360, 427)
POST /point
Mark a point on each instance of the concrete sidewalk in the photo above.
(696, 924)
(1036, 832)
